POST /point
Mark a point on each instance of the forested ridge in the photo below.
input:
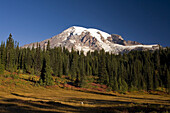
(137, 70)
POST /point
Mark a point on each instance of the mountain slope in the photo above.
(88, 39)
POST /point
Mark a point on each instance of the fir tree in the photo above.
(168, 81)
(48, 46)
(73, 68)
(103, 76)
(46, 76)
(1, 68)
(3, 53)
(83, 77)
(66, 65)
(10, 54)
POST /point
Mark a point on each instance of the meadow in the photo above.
(22, 94)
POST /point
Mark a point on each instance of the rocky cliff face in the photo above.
(83, 39)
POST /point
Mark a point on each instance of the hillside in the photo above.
(19, 93)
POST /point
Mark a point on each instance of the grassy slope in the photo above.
(20, 95)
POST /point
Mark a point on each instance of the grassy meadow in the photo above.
(22, 94)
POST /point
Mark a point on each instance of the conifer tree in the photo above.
(83, 77)
(115, 84)
(155, 80)
(168, 81)
(66, 65)
(38, 59)
(10, 54)
(55, 63)
(95, 66)
(3, 53)
(73, 68)
(46, 76)
(48, 46)
(115, 70)
(1, 67)
(77, 81)
(60, 65)
(103, 76)
(16, 56)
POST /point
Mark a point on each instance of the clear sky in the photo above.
(145, 21)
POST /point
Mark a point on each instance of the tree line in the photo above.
(136, 70)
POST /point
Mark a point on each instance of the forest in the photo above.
(133, 71)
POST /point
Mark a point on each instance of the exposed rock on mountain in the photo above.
(88, 39)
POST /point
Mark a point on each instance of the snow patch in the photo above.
(72, 41)
(78, 30)
(85, 49)
(106, 47)
(94, 32)
(134, 46)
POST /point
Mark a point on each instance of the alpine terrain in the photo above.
(89, 39)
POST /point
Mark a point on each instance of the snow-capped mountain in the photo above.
(89, 39)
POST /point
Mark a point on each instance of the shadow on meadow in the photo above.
(9, 105)
(126, 96)
(22, 106)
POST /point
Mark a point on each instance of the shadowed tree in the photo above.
(46, 76)
(1, 67)
(10, 54)
(103, 75)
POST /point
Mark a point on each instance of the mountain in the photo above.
(89, 39)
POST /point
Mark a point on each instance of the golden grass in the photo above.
(19, 95)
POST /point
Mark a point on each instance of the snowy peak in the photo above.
(98, 34)
(90, 39)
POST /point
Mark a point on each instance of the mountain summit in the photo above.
(89, 39)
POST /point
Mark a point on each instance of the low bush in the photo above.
(14, 76)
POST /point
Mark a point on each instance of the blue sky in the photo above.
(145, 21)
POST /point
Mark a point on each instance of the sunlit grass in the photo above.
(21, 94)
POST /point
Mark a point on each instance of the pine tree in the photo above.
(73, 68)
(168, 81)
(155, 80)
(83, 81)
(115, 70)
(1, 68)
(48, 46)
(3, 53)
(55, 63)
(95, 66)
(60, 64)
(103, 75)
(16, 56)
(83, 77)
(38, 59)
(10, 54)
(77, 81)
(46, 76)
(66, 65)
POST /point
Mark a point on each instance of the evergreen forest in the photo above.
(134, 71)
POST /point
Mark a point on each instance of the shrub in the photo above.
(7, 76)
(109, 89)
(41, 82)
(1, 69)
(14, 76)
(57, 81)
